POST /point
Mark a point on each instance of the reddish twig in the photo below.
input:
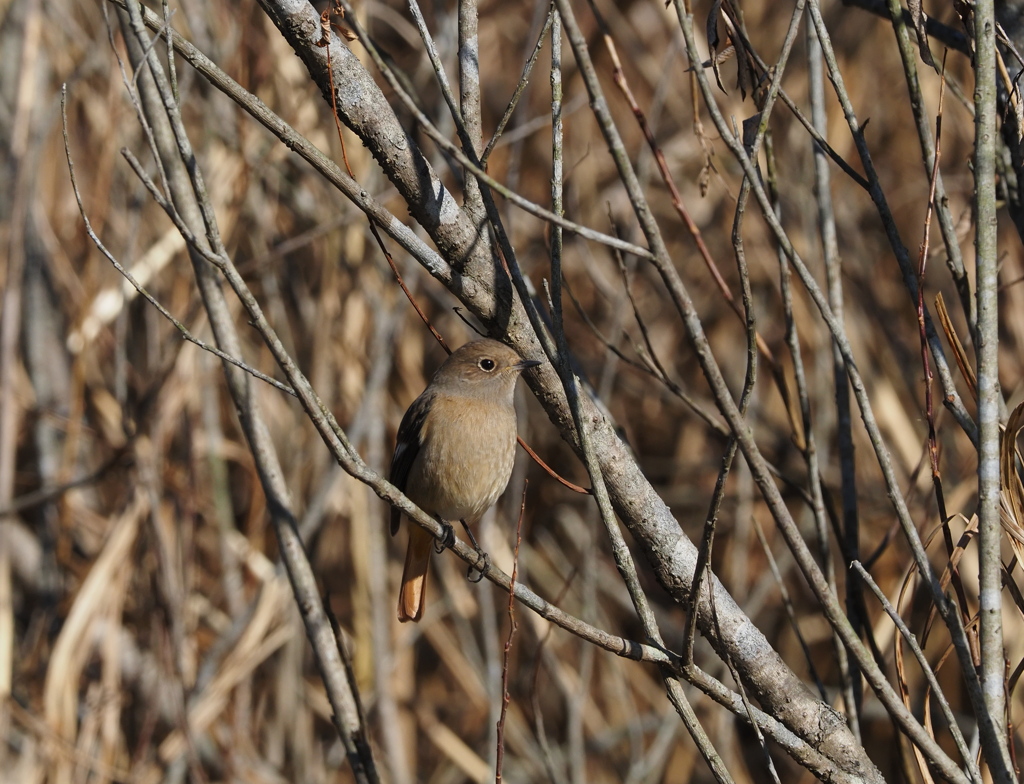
(508, 642)
(933, 446)
(325, 41)
(550, 471)
(922, 262)
(408, 294)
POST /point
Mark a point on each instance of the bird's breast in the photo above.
(463, 466)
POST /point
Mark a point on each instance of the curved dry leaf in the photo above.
(962, 361)
(1011, 489)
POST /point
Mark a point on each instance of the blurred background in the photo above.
(146, 632)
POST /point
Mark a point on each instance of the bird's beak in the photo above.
(526, 364)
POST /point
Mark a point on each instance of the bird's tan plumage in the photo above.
(455, 452)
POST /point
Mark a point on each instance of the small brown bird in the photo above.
(455, 451)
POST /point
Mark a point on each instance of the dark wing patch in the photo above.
(410, 437)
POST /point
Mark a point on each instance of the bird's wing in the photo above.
(410, 438)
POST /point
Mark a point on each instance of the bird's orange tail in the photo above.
(412, 597)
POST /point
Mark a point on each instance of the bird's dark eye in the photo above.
(486, 364)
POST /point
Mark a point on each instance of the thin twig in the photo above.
(524, 80)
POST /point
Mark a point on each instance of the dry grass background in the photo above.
(147, 630)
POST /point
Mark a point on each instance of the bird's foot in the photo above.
(475, 574)
(447, 540)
